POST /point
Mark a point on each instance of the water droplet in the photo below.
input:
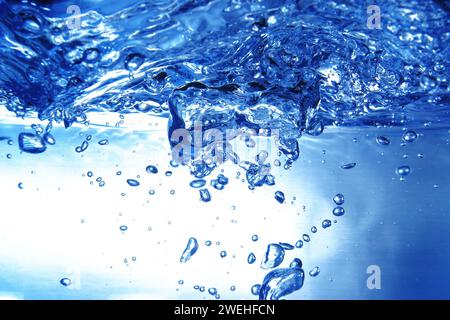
(255, 237)
(103, 142)
(180, 282)
(199, 183)
(31, 143)
(123, 228)
(314, 272)
(326, 223)
(299, 244)
(232, 288)
(98, 179)
(20, 185)
(90, 174)
(339, 199)
(168, 173)
(296, 263)
(151, 169)
(118, 173)
(202, 289)
(133, 61)
(403, 171)
(279, 196)
(9, 156)
(313, 229)
(273, 257)
(151, 192)
(251, 258)
(191, 249)
(133, 182)
(383, 141)
(208, 243)
(348, 165)
(102, 183)
(409, 136)
(338, 211)
(65, 282)
(205, 196)
(172, 192)
(306, 238)
(223, 254)
(255, 289)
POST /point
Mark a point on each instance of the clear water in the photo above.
(95, 206)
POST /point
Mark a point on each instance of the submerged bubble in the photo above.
(409, 136)
(338, 211)
(133, 61)
(286, 246)
(313, 229)
(31, 143)
(49, 139)
(223, 254)
(255, 237)
(296, 263)
(20, 185)
(279, 196)
(299, 244)
(273, 257)
(190, 250)
(151, 169)
(65, 282)
(205, 196)
(314, 272)
(103, 142)
(251, 258)
(232, 288)
(339, 199)
(403, 171)
(255, 289)
(212, 291)
(133, 182)
(208, 243)
(383, 141)
(348, 165)
(326, 223)
(306, 237)
(281, 282)
(123, 228)
(90, 174)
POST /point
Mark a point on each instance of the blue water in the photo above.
(340, 156)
